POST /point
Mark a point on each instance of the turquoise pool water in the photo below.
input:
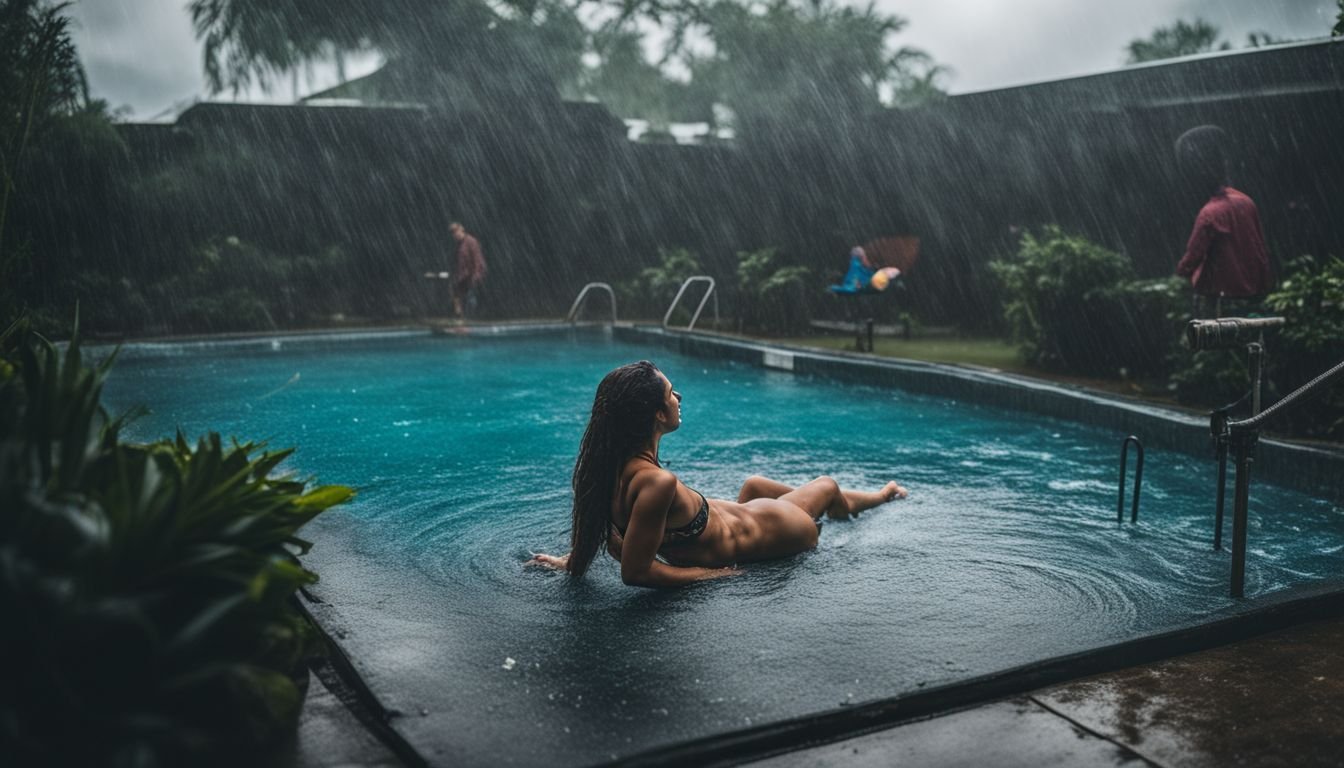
(1006, 552)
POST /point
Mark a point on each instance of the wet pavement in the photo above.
(1274, 700)
(329, 736)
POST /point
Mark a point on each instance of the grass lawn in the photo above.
(988, 352)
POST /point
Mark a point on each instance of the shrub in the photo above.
(1074, 306)
(1212, 377)
(233, 285)
(773, 298)
(655, 287)
(1311, 301)
(146, 589)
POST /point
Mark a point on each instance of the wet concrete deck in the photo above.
(1275, 700)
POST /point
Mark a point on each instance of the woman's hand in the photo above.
(549, 561)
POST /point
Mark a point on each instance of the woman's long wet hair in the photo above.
(624, 410)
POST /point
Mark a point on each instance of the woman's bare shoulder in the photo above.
(655, 480)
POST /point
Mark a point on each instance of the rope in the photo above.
(1302, 392)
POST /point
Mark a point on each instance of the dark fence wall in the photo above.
(1095, 154)
(575, 202)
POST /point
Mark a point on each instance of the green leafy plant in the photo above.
(1075, 306)
(655, 287)
(1311, 301)
(1212, 378)
(773, 297)
(146, 588)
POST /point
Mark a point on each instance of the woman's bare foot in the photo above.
(861, 501)
(893, 491)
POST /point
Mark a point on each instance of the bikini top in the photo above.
(687, 532)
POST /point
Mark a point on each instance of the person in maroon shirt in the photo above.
(469, 271)
(1225, 258)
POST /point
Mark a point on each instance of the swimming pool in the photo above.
(1006, 552)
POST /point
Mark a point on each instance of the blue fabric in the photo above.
(857, 280)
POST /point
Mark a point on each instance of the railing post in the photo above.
(1255, 358)
(1218, 429)
(1138, 480)
(1222, 493)
(1242, 445)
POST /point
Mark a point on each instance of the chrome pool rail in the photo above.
(1138, 480)
(573, 316)
(695, 317)
(1242, 436)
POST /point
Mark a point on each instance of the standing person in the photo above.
(663, 532)
(1225, 258)
(469, 271)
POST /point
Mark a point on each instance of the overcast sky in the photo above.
(142, 54)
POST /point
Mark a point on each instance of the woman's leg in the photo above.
(820, 497)
(758, 487)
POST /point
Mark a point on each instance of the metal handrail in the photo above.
(1138, 480)
(573, 316)
(1242, 436)
(695, 317)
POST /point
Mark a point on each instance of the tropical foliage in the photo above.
(471, 53)
(1180, 39)
(146, 588)
(790, 67)
(1311, 301)
(653, 289)
(800, 59)
(46, 116)
(629, 85)
(1075, 306)
(773, 297)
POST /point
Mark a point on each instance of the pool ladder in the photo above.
(573, 316)
(703, 299)
(1138, 480)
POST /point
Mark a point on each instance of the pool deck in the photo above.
(1277, 699)
(1273, 700)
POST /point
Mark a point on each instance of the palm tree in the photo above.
(41, 85)
(1179, 39)
(469, 54)
(809, 66)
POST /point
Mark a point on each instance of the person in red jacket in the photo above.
(469, 271)
(1225, 258)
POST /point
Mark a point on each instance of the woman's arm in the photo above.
(654, 491)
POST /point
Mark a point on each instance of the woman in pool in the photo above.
(664, 533)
